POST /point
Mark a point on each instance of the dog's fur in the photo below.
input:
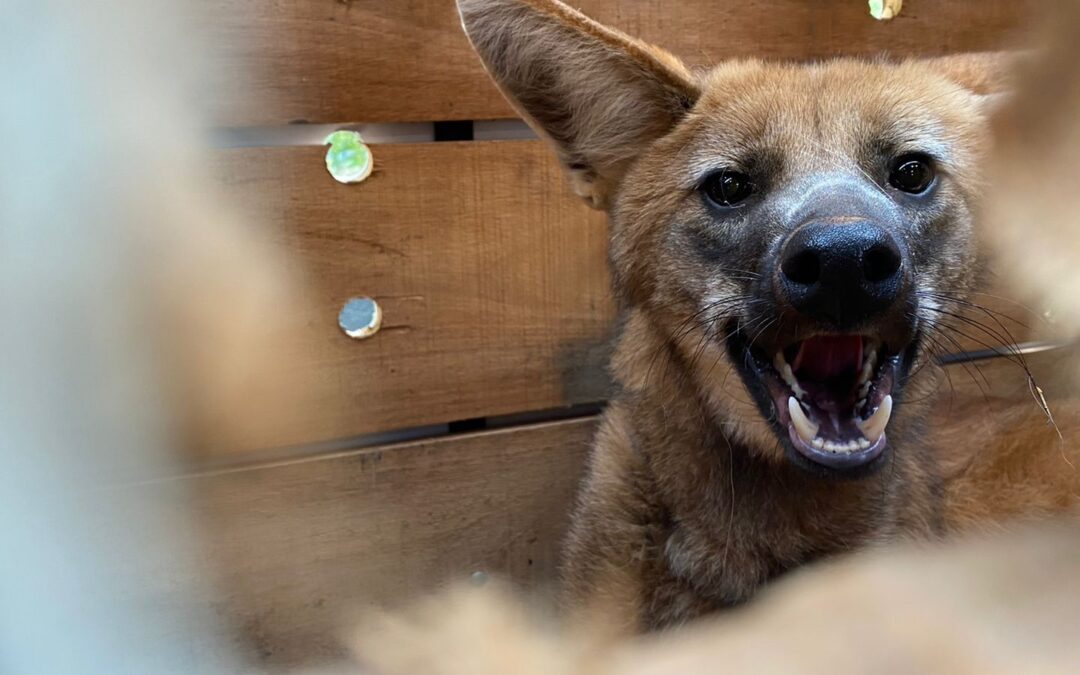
(690, 504)
(985, 605)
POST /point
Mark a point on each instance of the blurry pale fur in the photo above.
(1033, 215)
(135, 308)
(989, 605)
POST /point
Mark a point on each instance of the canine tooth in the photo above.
(874, 426)
(870, 358)
(806, 429)
(867, 371)
(784, 368)
(863, 444)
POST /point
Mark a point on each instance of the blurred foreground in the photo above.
(133, 304)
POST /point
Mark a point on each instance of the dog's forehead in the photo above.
(827, 112)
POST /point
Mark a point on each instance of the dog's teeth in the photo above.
(868, 366)
(860, 404)
(818, 443)
(842, 447)
(863, 444)
(806, 429)
(835, 447)
(874, 426)
(784, 368)
(866, 372)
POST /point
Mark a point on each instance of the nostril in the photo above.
(880, 263)
(802, 268)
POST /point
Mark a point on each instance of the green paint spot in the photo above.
(883, 10)
(348, 160)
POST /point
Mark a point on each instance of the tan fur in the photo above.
(984, 605)
(689, 504)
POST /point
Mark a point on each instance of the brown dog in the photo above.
(789, 243)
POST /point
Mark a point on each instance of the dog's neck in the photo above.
(738, 518)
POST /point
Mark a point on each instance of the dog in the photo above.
(789, 247)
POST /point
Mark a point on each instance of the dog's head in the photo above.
(801, 228)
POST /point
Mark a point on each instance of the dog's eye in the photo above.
(911, 173)
(727, 188)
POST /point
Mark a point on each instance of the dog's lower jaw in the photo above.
(677, 518)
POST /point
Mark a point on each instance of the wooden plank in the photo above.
(491, 274)
(407, 60)
(302, 547)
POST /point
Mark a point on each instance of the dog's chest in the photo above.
(715, 559)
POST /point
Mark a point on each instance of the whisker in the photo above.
(967, 369)
(1005, 338)
(972, 305)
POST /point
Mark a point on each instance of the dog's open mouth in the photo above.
(833, 395)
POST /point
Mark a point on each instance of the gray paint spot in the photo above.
(360, 317)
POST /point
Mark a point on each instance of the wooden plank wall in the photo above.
(407, 60)
(493, 279)
(303, 547)
(491, 274)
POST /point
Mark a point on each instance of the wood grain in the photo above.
(303, 547)
(491, 274)
(407, 60)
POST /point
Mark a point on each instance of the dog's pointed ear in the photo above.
(990, 76)
(600, 97)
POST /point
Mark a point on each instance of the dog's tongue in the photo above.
(827, 356)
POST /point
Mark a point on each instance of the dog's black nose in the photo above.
(841, 273)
